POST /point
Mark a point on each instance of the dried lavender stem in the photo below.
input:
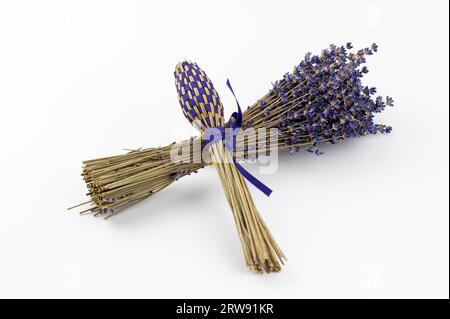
(258, 251)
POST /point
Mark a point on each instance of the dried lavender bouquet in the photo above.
(321, 101)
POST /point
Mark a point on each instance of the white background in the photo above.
(84, 79)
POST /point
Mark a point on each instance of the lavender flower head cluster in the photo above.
(324, 101)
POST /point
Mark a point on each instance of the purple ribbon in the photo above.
(230, 145)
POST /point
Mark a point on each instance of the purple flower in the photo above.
(374, 47)
(389, 101)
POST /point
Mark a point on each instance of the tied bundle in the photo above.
(203, 108)
(323, 100)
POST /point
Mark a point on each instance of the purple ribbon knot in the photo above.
(234, 124)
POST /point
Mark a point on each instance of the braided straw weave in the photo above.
(201, 105)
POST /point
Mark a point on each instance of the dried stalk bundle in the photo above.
(201, 105)
(321, 101)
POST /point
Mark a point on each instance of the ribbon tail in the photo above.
(236, 115)
(252, 179)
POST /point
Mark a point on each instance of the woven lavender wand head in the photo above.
(199, 100)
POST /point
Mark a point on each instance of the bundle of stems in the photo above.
(201, 105)
(321, 101)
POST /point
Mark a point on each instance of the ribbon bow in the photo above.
(234, 124)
